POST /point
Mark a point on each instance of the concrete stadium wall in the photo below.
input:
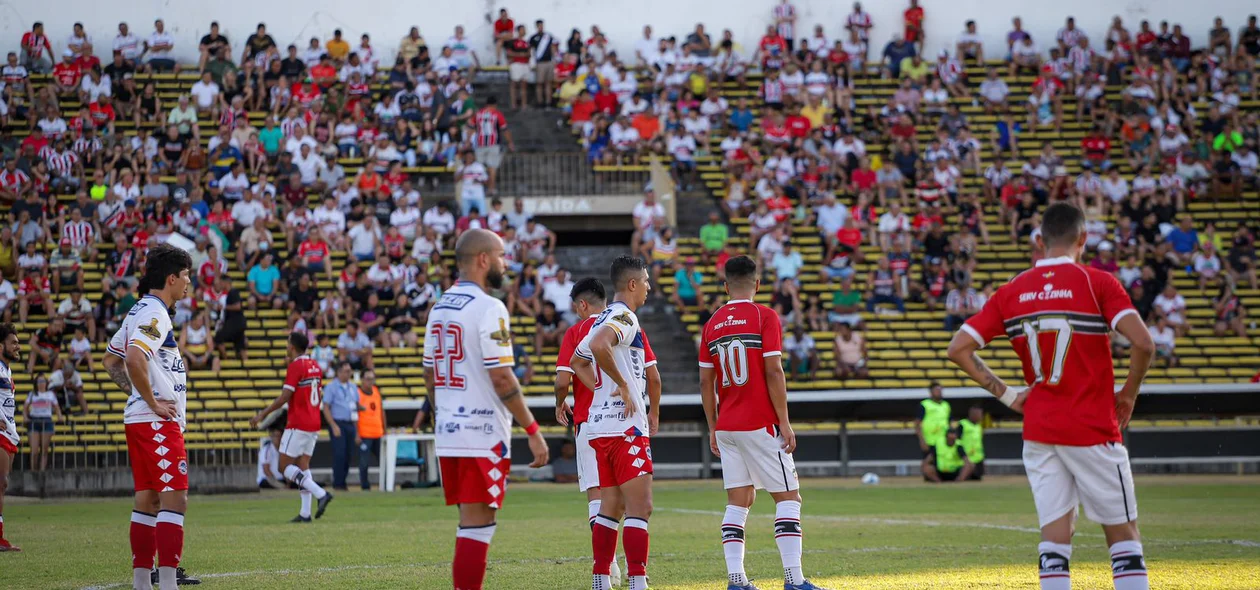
(292, 21)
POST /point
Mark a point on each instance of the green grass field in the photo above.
(1200, 533)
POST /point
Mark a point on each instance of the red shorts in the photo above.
(158, 460)
(474, 480)
(8, 447)
(622, 458)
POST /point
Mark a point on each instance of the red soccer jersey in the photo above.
(1057, 316)
(304, 378)
(67, 74)
(739, 336)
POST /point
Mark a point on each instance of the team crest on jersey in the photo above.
(502, 336)
(1048, 274)
(183, 467)
(150, 330)
(624, 318)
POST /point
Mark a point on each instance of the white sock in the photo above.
(1055, 564)
(592, 510)
(638, 583)
(166, 579)
(141, 579)
(1128, 566)
(481, 534)
(601, 582)
(733, 543)
(305, 512)
(787, 534)
(308, 484)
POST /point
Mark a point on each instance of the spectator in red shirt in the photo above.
(103, 115)
(67, 76)
(914, 24)
(797, 124)
(36, 141)
(314, 253)
(773, 49)
(606, 100)
(1097, 150)
(503, 28)
(518, 54)
(324, 74)
(863, 178)
(36, 50)
(582, 110)
(86, 60)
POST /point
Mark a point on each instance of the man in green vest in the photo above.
(971, 436)
(933, 420)
(947, 461)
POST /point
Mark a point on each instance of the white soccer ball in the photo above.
(870, 479)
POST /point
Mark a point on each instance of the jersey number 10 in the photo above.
(1062, 338)
(733, 358)
(448, 352)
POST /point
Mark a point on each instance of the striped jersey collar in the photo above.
(1055, 261)
(466, 283)
(734, 301)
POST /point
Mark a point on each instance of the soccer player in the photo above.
(744, 394)
(611, 361)
(303, 394)
(1057, 316)
(589, 300)
(468, 371)
(10, 352)
(143, 359)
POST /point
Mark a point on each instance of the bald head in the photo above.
(472, 244)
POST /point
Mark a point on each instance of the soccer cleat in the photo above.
(614, 574)
(748, 586)
(323, 504)
(181, 578)
(300, 518)
(806, 585)
(5, 545)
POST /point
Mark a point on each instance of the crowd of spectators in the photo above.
(922, 204)
(133, 168)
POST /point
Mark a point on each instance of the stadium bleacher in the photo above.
(905, 350)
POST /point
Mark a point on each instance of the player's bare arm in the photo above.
(584, 370)
(601, 348)
(563, 412)
(708, 400)
(654, 399)
(430, 391)
(776, 386)
(1141, 352)
(138, 372)
(962, 352)
(276, 404)
(117, 369)
(509, 391)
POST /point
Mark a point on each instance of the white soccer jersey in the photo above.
(8, 405)
(608, 414)
(466, 336)
(148, 328)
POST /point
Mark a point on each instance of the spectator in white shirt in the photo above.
(309, 165)
(157, 49)
(128, 45)
(1165, 339)
(245, 211)
(969, 44)
(894, 227)
(994, 92)
(830, 216)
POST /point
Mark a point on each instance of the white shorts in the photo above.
(490, 156)
(518, 72)
(756, 458)
(587, 465)
(297, 443)
(1064, 477)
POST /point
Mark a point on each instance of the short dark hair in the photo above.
(299, 341)
(622, 266)
(741, 269)
(590, 290)
(6, 329)
(163, 261)
(1062, 224)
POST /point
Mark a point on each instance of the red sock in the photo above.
(170, 538)
(603, 544)
(471, 546)
(635, 539)
(143, 541)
